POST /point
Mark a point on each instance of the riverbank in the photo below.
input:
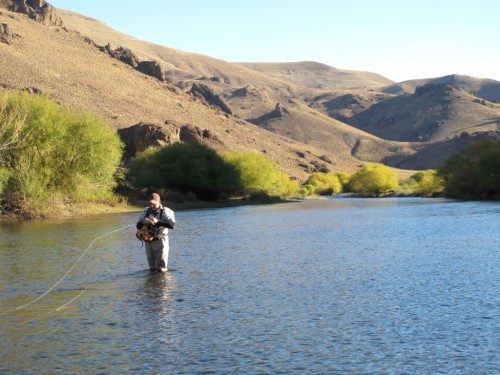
(79, 210)
(84, 210)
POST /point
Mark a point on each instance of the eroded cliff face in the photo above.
(38, 10)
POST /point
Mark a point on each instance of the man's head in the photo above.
(154, 200)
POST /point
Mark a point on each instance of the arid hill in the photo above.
(487, 89)
(62, 64)
(291, 99)
(435, 112)
(254, 95)
(320, 76)
(305, 116)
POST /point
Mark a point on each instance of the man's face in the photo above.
(154, 204)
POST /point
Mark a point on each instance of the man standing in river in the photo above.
(155, 220)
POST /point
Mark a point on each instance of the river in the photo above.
(334, 286)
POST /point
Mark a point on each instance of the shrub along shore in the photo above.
(60, 162)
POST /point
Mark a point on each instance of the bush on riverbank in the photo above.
(186, 168)
(260, 176)
(195, 168)
(322, 184)
(424, 183)
(373, 180)
(51, 156)
(474, 173)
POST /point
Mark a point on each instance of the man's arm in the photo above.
(167, 220)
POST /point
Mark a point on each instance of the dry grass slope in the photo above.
(60, 63)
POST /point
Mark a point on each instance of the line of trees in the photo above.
(472, 174)
(51, 156)
(198, 171)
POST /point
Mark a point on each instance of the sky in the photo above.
(399, 39)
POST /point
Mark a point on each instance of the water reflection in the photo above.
(157, 292)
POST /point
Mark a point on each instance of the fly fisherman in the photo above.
(153, 224)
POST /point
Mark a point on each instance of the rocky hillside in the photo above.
(62, 64)
(487, 89)
(435, 112)
(305, 116)
(256, 92)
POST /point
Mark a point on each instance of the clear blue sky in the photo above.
(399, 39)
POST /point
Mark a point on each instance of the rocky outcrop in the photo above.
(148, 67)
(319, 167)
(38, 10)
(214, 79)
(193, 134)
(151, 68)
(139, 137)
(123, 54)
(278, 112)
(441, 90)
(209, 97)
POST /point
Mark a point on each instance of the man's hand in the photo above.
(148, 221)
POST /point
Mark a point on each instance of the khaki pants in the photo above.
(157, 253)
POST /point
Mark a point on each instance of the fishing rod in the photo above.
(65, 275)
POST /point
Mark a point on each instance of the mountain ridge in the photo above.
(404, 118)
(305, 105)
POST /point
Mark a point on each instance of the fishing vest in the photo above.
(152, 233)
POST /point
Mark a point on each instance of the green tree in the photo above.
(373, 180)
(323, 184)
(54, 154)
(474, 173)
(428, 183)
(4, 178)
(186, 168)
(260, 175)
(344, 179)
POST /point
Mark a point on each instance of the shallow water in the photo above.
(396, 286)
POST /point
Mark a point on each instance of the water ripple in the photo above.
(335, 286)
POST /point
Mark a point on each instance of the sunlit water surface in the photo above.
(395, 286)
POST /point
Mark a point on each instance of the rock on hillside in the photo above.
(37, 10)
(139, 137)
(209, 97)
(344, 106)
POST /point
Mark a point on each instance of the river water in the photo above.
(335, 286)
